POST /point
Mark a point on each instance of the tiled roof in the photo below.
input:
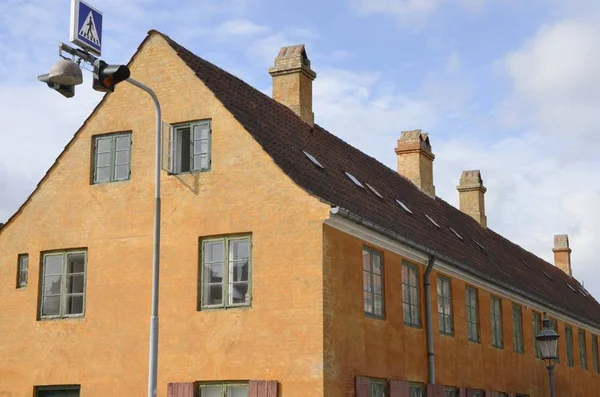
(284, 136)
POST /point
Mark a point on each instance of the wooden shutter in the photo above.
(167, 158)
(470, 392)
(436, 391)
(185, 389)
(362, 386)
(262, 388)
(399, 388)
(490, 393)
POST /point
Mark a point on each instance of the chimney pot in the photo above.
(415, 159)
(471, 194)
(292, 81)
(562, 253)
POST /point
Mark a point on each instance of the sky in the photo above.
(509, 87)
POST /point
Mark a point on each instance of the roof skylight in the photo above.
(547, 275)
(432, 221)
(584, 292)
(572, 289)
(526, 264)
(456, 233)
(404, 207)
(374, 191)
(313, 160)
(353, 179)
(481, 247)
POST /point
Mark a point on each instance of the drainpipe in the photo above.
(430, 355)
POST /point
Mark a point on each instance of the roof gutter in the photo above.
(344, 213)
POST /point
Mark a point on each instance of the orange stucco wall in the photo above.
(357, 345)
(278, 338)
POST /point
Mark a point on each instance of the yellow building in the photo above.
(292, 264)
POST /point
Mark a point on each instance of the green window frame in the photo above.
(472, 306)
(226, 272)
(57, 391)
(517, 317)
(112, 158)
(410, 295)
(536, 320)
(582, 349)
(63, 284)
(189, 147)
(569, 342)
(377, 388)
(477, 393)
(444, 302)
(416, 389)
(223, 389)
(373, 283)
(450, 391)
(595, 354)
(22, 270)
(496, 320)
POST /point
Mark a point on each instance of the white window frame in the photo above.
(63, 286)
(443, 299)
(225, 284)
(369, 276)
(22, 270)
(224, 387)
(409, 306)
(472, 311)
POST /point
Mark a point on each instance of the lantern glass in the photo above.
(549, 348)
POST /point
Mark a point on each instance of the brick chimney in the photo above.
(292, 81)
(562, 253)
(471, 196)
(415, 160)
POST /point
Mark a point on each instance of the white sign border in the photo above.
(74, 31)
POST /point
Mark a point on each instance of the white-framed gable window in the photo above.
(189, 148)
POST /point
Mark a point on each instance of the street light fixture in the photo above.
(548, 343)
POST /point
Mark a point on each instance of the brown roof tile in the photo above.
(284, 137)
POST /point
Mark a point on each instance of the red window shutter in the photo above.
(185, 389)
(470, 392)
(362, 386)
(253, 388)
(435, 390)
(272, 387)
(399, 388)
(462, 392)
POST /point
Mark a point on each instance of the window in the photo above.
(112, 156)
(444, 300)
(496, 314)
(410, 294)
(314, 160)
(225, 273)
(450, 391)
(537, 327)
(517, 329)
(477, 393)
(376, 388)
(416, 390)
(375, 192)
(554, 326)
(63, 284)
(353, 179)
(432, 221)
(595, 353)
(372, 283)
(569, 342)
(582, 349)
(189, 147)
(22, 266)
(57, 391)
(472, 315)
(404, 207)
(224, 390)
(501, 394)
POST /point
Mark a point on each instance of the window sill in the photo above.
(187, 172)
(374, 316)
(446, 334)
(223, 308)
(475, 342)
(110, 182)
(498, 347)
(412, 326)
(66, 318)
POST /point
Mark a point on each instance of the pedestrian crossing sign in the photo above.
(86, 27)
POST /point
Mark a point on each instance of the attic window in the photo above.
(572, 289)
(456, 233)
(404, 207)
(526, 264)
(481, 247)
(584, 292)
(432, 221)
(374, 191)
(353, 179)
(313, 160)
(547, 275)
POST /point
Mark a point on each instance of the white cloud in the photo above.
(240, 27)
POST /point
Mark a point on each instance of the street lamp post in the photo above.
(548, 343)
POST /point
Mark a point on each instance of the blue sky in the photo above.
(506, 86)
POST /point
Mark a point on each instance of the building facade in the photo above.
(291, 263)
